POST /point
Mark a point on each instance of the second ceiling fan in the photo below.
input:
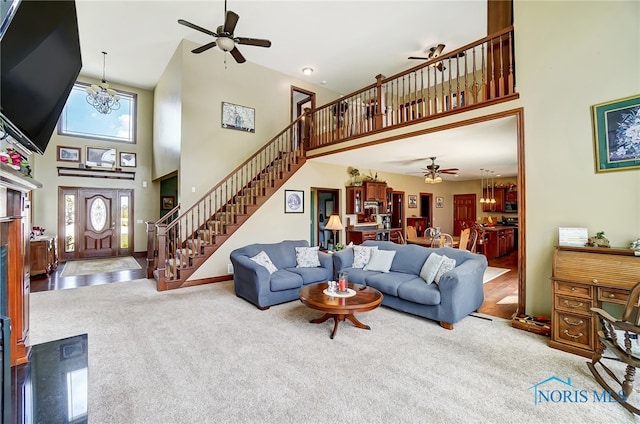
(432, 172)
(225, 38)
(432, 53)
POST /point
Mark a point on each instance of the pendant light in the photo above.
(103, 98)
(493, 198)
(482, 186)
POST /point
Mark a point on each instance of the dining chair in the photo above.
(464, 239)
(412, 234)
(430, 232)
(473, 239)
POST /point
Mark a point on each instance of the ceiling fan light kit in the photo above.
(307, 70)
(433, 171)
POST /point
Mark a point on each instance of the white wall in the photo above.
(45, 200)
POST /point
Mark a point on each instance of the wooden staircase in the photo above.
(181, 242)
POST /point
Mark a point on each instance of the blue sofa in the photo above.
(459, 292)
(254, 283)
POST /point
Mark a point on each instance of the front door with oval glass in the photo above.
(95, 222)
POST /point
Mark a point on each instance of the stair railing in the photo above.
(152, 239)
(216, 212)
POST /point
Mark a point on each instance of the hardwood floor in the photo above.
(55, 282)
(501, 287)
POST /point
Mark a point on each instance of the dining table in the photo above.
(426, 241)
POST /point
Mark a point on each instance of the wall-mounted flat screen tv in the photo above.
(40, 61)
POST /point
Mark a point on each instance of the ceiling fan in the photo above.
(432, 172)
(225, 39)
(434, 52)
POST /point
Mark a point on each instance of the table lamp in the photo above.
(334, 225)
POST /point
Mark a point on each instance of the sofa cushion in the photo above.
(312, 275)
(380, 260)
(431, 267)
(263, 259)
(358, 275)
(418, 292)
(447, 265)
(389, 282)
(307, 257)
(362, 255)
(284, 279)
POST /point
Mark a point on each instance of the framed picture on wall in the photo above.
(616, 133)
(293, 201)
(413, 201)
(101, 157)
(439, 202)
(238, 117)
(127, 160)
(69, 154)
(167, 202)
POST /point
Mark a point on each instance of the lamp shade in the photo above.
(334, 223)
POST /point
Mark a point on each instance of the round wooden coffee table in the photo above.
(339, 308)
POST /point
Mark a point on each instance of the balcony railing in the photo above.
(473, 75)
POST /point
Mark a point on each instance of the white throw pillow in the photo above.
(431, 267)
(307, 257)
(362, 255)
(447, 265)
(263, 259)
(380, 260)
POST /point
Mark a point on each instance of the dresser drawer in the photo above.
(573, 304)
(574, 289)
(612, 295)
(572, 329)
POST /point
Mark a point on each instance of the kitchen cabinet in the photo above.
(582, 278)
(376, 192)
(498, 194)
(500, 241)
(43, 257)
(359, 236)
(355, 199)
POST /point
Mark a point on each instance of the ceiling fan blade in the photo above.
(448, 171)
(196, 27)
(230, 21)
(440, 67)
(419, 58)
(253, 42)
(237, 55)
(437, 51)
(203, 48)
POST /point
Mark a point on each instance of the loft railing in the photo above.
(473, 75)
(216, 214)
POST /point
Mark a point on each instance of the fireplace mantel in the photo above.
(16, 180)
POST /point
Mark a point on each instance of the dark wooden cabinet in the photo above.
(44, 259)
(394, 235)
(357, 237)
(500, 242)
(419, 223)
(376, 192)
(355, 199)
(498, 194)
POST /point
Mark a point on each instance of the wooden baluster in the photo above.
(501, 80)
(151, 246)
(510, 79)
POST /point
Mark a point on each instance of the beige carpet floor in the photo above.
(202, 355)
(492, 273)
(98, 266)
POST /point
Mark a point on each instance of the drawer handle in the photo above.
(573, 289)
(566, 332)
(577, 305)
(595, 281)
(568, 321)
(612, 296)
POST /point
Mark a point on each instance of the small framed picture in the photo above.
(127, 159)
(616, 134)
(293, 201)
(439, 202)
(413, 201)
(69, 154)
(238, 117)
(167, 202)
(101, 157)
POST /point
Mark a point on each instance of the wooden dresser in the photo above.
(44, 259)
(585, 277)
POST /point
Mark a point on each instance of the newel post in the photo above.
(307, 128)
(379, 102)
(162, 244)
(151, 248)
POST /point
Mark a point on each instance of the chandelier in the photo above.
(101, 97)
(432, 177)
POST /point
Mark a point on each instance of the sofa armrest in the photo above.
(461, 289)
(326, 261)
(249, 277)
(342, 259)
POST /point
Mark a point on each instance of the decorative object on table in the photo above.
(37, 231)
(439, 202)
(103, 98)
(616, 132)
(334, 225)
(69, 154)
(293, 201)
(342, 281)
(236, 117)
(573, 236)
(413, 201)
(127, 160)
(167, 202)
(599, 240)
(635, 245)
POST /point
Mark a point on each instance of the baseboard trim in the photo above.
(208, 280)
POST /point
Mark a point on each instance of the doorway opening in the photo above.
(327, 201)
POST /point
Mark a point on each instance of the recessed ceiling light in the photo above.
(323, 82)
(307, 71)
